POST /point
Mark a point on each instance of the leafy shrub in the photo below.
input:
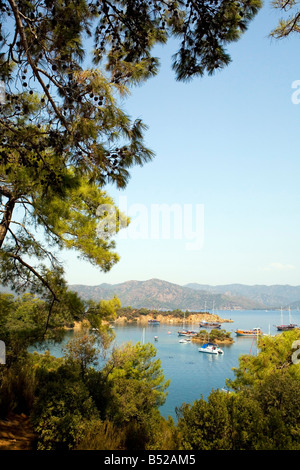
(62, 408)
(17, 388)
(102, 435)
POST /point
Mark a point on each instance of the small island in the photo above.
(216, 336)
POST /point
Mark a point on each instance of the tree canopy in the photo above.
(64, 66)
(137, 382)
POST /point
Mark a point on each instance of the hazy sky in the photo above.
(227, 164)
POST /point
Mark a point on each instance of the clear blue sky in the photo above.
(230, 144)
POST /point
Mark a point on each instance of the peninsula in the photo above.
(143, 315)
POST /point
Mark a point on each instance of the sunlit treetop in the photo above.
(65, 66)
(52, 47)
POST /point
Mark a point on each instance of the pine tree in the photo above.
(64, 66)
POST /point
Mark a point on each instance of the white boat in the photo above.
(185, 340)
(210, 348)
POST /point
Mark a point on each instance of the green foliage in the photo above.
(73, 405)
(230, 421)
(99, 314)
(63, 133)
(278, 395)
(204, 425)
(275, 354)
(105, 310)
(102, 435)
(26, 316)
(81, 350)
(43, 363)
(291, 23)
(109, 409)
(24, 319)
(162, 434)
(17, 386)
(137, 380)
(214, 334)
(262, 413)
(62, 408)
(124, 36)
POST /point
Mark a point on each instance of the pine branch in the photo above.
(22, 34)
(34, 272)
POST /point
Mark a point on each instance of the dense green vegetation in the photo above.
(214, 335)
(88, 399)
(132, 314)
(63, 137)
(262, 410)
(73, 401)
(65, 68)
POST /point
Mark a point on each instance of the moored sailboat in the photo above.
(286, 327)
(209, 324)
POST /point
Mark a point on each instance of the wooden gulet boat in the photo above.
(253, 332)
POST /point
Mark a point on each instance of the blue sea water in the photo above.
(193, 374)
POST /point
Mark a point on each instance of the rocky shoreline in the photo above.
(187, 323)
(171, 319)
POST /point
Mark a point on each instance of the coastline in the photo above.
(186, 323)
(191, 319)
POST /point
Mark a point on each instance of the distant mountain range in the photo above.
(270, 296)
(156, 293)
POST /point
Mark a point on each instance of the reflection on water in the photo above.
(192, 373)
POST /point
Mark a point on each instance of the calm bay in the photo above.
(193, 374)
